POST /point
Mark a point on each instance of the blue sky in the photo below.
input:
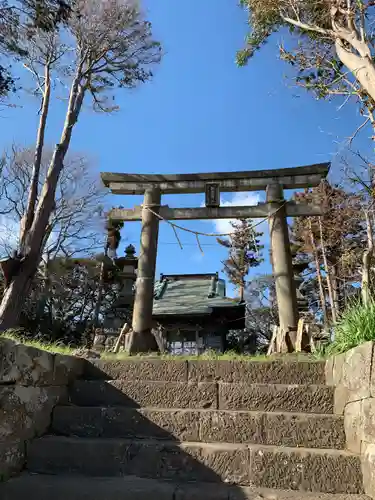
(200, 113)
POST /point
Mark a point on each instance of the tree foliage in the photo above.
(26, 16)
(62, 303)
(331, 44)
(244, 252)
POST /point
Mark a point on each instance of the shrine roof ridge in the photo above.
(315, 169)
(194, 276)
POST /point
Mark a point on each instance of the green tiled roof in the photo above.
(190, 295)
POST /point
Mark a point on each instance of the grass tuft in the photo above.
(55, 348)
(356, 326)
(210, 355)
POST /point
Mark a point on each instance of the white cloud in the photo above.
(238, 200)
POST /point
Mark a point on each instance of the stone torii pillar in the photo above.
(143, 339)
(282, 261)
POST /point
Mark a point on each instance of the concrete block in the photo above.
(353, 421)
(340, 399)
(148, 459)
(154, 370)
(306, 430)
(368, 469)
(67, 369)
(276, 398)
(329, 366)
(78, 421)
(307, 470)
(276, 468)
(356, 371)
(43, 487)
(25, 411)
(332, 472)
(338, 366)
(325, 471)
(231, 427)
(368, 417)
(124, 422)
(25, 365)
(257, 372)
(12, 458)
(144, 394)
(129, 488)
(202, 491)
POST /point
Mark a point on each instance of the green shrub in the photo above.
(356, 326)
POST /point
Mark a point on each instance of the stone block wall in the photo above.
(353, 375)
(32, 383)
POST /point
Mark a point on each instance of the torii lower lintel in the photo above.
(247, 212)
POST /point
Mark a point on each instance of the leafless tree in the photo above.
(107, 44)
(75, 225)
(359, 170)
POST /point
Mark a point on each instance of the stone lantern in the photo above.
(125, 275)
(298, 268)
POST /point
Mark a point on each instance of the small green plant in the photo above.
(356, 326)
(56, 348)
(207, 355)
(321, 353)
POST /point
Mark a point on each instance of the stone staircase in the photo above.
(196, 430)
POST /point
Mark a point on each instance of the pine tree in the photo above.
(244, 252)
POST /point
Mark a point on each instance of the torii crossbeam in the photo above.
(276, 209)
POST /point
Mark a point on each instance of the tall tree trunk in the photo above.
(361, 65)
(327, 271)
(47, 197)
(13, 300)
(366, 260)
(335, 287)
(45, 291)
(19, 286)
(99, 299)
(28, 216)
(322, 294)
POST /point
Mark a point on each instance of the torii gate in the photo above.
(276, 209)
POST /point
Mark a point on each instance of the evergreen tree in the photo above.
(244, 252)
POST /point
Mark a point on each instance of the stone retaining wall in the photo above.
(353, 375)
(32, 383)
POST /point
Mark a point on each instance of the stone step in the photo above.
(204, 395)
(280, 429)
(326, 471)
(40, 487)
(248, 372)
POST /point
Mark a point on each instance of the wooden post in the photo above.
(143, 339)
(282, 262)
